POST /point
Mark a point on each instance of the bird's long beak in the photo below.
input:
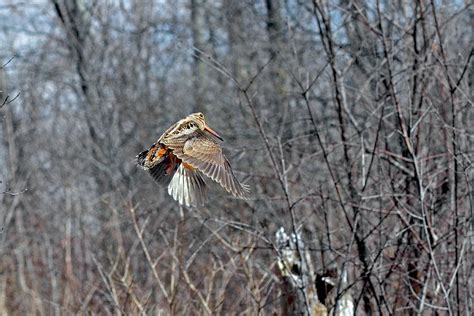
(213, 132)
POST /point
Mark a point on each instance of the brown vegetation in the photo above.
(351, 120)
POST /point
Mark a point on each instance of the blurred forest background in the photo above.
(351, 120)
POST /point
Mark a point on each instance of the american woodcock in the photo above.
(184, 152)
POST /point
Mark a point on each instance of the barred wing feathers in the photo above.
(188, 187)
(205, 154)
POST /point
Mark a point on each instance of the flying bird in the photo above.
(184, 153)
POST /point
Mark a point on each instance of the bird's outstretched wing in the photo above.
(205, 154)
(188, 187)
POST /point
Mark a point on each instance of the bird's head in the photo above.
(200, 121)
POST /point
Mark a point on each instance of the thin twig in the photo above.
(139, 233)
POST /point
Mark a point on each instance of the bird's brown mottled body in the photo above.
(182, 154)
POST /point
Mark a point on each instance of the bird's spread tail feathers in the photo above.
(160, 162)
(141, 159)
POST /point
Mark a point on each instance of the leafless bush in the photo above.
(351, 120)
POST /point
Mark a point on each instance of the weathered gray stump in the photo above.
(299, 295)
